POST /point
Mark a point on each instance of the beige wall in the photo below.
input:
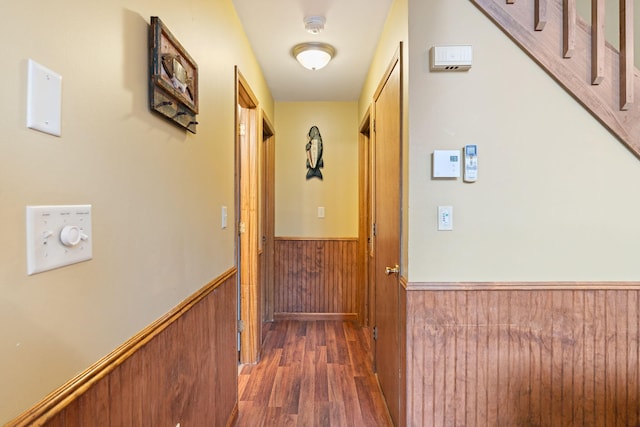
(297, 199)
(156, 190)
(554, 199)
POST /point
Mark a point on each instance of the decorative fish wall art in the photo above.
(314, 153)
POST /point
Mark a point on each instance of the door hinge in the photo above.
(375, 333)
(242, 129)
(241, 227)
(374, 125)
(374, 229)
(240, 325)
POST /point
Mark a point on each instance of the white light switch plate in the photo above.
(44, 99)
(445, 218)
(224, 217)
(57, 236)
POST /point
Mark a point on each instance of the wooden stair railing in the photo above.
(577, 56)
(626, 54)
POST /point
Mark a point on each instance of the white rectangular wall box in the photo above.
(44, 99)
(446, 164)
(451, 58)
(58, 236)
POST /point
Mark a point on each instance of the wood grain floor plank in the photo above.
(353, 417)
(307, 390)
(312, 373)
(322, 381)
(279, 391)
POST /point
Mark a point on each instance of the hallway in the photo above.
(312, 373)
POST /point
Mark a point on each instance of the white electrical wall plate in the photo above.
(44, 99)
(445, 218)
(58, 236)
(224, 217)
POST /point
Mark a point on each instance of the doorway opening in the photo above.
(247, 246)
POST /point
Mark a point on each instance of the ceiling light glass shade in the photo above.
(313, 56)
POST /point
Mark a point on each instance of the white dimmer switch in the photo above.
(58, 236)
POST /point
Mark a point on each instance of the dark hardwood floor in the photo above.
(312, 373)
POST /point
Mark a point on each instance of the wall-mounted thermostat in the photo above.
(446, 164)
(451, 58)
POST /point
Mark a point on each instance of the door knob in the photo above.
(389, 270)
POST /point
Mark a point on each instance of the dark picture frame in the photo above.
(173, 83)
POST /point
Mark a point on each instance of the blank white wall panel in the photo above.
(44, 99)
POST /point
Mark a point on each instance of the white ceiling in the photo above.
(353, 27)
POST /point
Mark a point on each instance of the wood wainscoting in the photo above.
(522, 354)
(316, 279)
(181, 369)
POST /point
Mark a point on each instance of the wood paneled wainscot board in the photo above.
(181, 369)
(557, 355)
(316, 279)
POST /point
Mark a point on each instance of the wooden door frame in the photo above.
(365, 226)
(267, 221)
(246, 184)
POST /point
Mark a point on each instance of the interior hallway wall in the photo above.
(297, 199)
(552, 201)
(156, 190)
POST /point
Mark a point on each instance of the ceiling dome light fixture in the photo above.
(313, 55)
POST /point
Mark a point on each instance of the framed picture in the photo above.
(173, 87)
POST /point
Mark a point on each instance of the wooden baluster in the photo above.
(569, 27)
(597, 41)
(541, 14)
(626, 54)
